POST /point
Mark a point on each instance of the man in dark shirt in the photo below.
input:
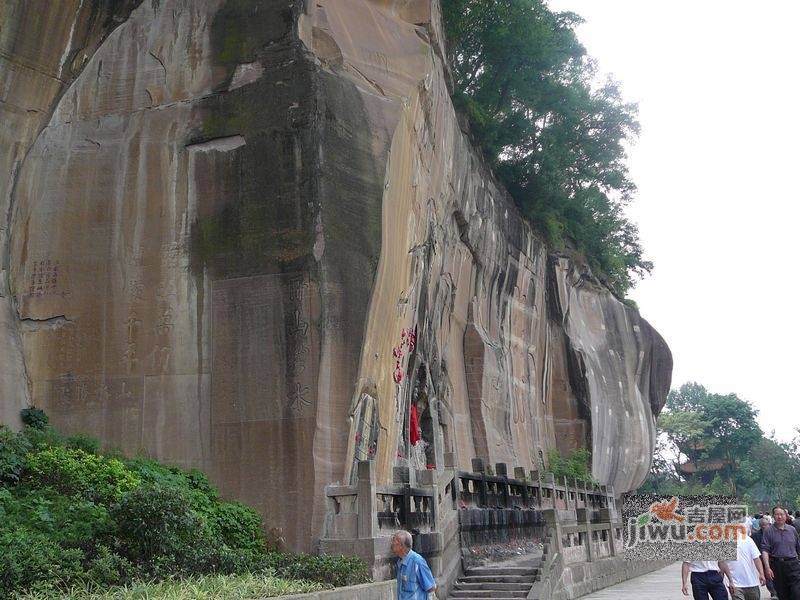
(780, 546)
(758, 538)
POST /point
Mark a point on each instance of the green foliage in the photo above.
(717, 487)
(74, 520)
(711, 427)
(73, 472)
(576, 465)
(557, 142)
(67, 520)
(236, 525)
(13, 448)
(207, 587)
(31, 558)
(156, 525)
(34, 417)
(700, 426)
(335, 570)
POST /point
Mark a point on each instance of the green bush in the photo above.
(70, 521)
(31, 558)
(108, 568)
(236, 525)
(156, 526)
(576, 465)
(83, 442)
(40, 439)
(334, 570)
(206, 587)
(34, 417)
(75, 520)
(13, 448)
(74, 472)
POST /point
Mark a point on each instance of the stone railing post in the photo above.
(612, 541)
(537, 477)
(584, 519)
(501, 470)
(367, 510)
(483, 493)
(554, 526)
(519, 473)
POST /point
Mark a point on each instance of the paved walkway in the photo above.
(664, 584)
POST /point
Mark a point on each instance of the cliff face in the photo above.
(252, 234)
(43, 47)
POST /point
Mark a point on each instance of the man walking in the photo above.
(706, 579)
(779, 548)
(746, 572)
(758, 539)
(414, 578)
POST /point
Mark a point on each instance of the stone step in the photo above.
(492, 585)
(493, 594)
(499, 578)
(501, 571)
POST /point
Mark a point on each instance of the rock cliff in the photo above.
(247, 235)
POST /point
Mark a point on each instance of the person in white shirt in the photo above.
(706, 579)
(746, 572)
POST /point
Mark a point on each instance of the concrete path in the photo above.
(664, 584)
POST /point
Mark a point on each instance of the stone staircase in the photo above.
(501, 581)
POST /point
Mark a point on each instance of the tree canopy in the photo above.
(721, 429)
(556, 141)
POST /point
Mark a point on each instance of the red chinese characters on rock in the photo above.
(408, 342)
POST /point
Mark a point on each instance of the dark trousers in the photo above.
(787, 578)
(770, 583)
(709, 583)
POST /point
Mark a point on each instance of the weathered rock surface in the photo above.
(246, 220)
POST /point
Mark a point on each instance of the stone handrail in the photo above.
(531, 490)
(459, 516)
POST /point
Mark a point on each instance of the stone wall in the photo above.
(577, 580)
(245, 235)
(382, 590)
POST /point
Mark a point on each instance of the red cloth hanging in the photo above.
(413, 426)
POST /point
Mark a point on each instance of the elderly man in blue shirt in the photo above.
(414, 578)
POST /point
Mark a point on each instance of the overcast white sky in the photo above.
(716, 164)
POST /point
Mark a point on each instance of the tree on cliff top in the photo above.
(557, 143)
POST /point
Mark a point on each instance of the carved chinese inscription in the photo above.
(264, 349)
(44, 279)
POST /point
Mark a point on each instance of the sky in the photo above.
(717, 83)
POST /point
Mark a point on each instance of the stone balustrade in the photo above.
(459, 517)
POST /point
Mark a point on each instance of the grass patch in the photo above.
(204, 587)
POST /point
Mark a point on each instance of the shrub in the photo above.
(237, 526)
(33, 558)
(109, 568)
(74, 472)
(200, 493)
(83, 442)
(34, 417)
(69, 521)
(576, 465)
(13, 448)
(73, 520)
(43, 438)
(156, 526)
(237, 587)
(334, 570)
